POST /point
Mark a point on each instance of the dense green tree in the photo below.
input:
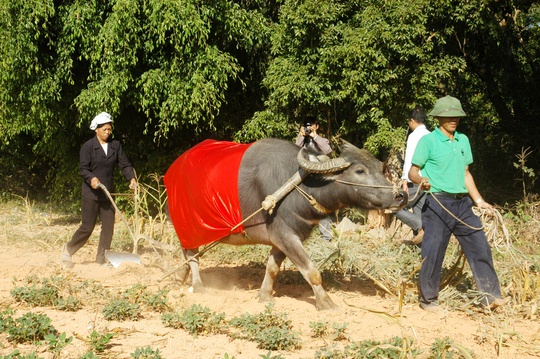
(362, 65)
(164, 69)
(173, 72)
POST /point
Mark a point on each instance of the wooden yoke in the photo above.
(271, 200)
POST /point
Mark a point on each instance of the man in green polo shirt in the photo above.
(444, 157)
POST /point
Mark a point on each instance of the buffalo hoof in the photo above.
(197, 288)
(266, 298)
(327, 305)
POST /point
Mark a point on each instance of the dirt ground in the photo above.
(233, 291)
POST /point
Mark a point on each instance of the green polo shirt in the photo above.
(443, 161)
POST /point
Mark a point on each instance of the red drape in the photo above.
(202, 191)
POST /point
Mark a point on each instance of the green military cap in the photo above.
(447, 106)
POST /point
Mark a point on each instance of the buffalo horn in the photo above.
(329, 166)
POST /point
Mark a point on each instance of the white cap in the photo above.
(100, 119)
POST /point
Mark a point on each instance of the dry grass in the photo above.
(376, 256)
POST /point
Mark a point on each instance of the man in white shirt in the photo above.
(413, 219)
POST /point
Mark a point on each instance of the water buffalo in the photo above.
(354, 179)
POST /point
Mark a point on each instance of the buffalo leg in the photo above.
(273, 265)
(298, 256)
(192, 257)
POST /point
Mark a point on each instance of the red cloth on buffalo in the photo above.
(202, 191)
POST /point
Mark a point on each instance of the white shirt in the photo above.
(412, 141)
(106, 147)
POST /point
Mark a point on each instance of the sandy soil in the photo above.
(233, 291)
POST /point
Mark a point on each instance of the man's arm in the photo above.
(414, 176)
(473, 191)
(323, 144)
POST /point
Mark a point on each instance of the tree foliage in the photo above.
(363, 65)
(173, 72)
(163, 69)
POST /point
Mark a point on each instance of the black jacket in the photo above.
(94, 163)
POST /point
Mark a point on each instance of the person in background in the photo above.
(317, 145)
(310, 139)
(98, 158)
(444, 157)
(413, 219)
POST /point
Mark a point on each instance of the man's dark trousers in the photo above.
(438, 226)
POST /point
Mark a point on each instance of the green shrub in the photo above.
(146, 353)
(121, 310)
(138, 294)
(57, 343)
(135, 294)
(68, 304)
(35, 295)
(374, 349)
(158, 301)
(99, 342)
(17, 355)
(196, 320)
(30, 328)
(319, 329)
(330, 352)
(339, 331)
(270, 356)
(447, 349)
(6, 319)
(171, 320)
(272, 331)
(89, 355)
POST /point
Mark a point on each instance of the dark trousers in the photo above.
(438, 226)
(90, 211)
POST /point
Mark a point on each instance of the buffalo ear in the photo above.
(347, 148)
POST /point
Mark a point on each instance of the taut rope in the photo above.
(456, 218)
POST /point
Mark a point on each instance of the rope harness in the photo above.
(292, 183)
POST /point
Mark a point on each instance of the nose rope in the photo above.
(394, 188)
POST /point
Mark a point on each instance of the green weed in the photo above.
(17, 355)
(6, 319)
(38, 293)
(99, 342)
(329, 352)
(272, 331)
(157, 301)
(339, 331)
(146, 353)
(89, 355)
(55, 344)
(196, 320)
(121, 310)
(30, 328)
(319, 329)
(447, 349)
(69, 304)
(138, 294)
(395, 348)
(270, 356)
